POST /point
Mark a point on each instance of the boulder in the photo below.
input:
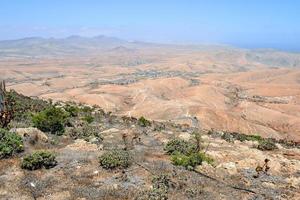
(56, 195)
(31, 133)
(82, 145)
(185, 136)
(229, 167)
(293, 181)
(205, 168)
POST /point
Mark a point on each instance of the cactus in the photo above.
(2, 95)
(6, 107)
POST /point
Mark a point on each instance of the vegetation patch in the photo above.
(193, 193)
(87, 109)
(179, 146)
(264, 144)
(191, 160)
(244, 137)
(23, 105)
(88, 118)
(230, 137)
(10, 143)
(289, 143)
(187, 154)
(72, 110)
(161, 181)
(38, 160)
(51, 120)
(116, 158)
(86, 132)
(159, 191)
(143, 122)
(267, 145)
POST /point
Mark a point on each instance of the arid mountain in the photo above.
(77, 45)
(58, 47)
(225, 88)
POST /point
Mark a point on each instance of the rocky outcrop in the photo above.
(31, 134)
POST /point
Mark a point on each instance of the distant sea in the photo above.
(294, 48)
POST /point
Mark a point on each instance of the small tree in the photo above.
(51, 120)
(199, 140)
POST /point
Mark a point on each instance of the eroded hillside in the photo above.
(225, 88)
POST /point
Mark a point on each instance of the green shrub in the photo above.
(143, 122)
(51, 120)
(20, 108)
(24, 122)
(244, 137)
(267, 145)
(10, 143)
(186, 154)
(24, 105)
(264, 144)
(199, 141)
(115, 159)
(254, 138)
(179, 146)
(159, 191)
(88, 118)
(86, 132)
(230, 137)
(194, 192)
(190, 161)
(39, 160)
(153, 194)
(72, 110)
(87, 109)
(161, 181)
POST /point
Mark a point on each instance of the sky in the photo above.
(243, 23)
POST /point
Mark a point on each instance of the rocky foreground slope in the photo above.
(237, 172)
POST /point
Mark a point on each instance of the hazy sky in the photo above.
(247, 23)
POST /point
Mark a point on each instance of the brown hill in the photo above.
(250, 91)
